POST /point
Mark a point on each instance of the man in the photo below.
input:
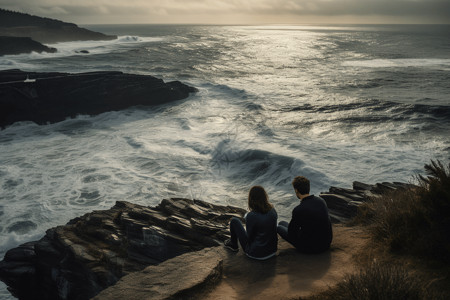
(310, 227)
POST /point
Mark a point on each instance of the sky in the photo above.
(237, 11)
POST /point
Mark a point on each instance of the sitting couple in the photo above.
(309, 229)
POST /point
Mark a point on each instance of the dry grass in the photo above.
(380, 282)
(415, 221)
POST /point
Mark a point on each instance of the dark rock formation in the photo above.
(45, 30)
(53, 97)
(343, 203)
(90, 253)
(16, 45)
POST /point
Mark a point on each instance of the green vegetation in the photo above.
(414, 221)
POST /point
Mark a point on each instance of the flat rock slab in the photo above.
(290, 274)
(177, 278)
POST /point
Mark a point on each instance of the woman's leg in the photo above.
(238, 233)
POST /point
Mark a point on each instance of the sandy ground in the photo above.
(290, 274)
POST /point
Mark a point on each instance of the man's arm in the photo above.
(294, 224)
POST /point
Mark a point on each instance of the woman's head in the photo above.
(258, 200)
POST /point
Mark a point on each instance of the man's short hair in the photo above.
(301, 184)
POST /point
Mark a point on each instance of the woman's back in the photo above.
(262, 234)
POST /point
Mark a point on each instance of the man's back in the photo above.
(310, 227)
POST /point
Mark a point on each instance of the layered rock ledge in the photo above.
(53, 97)
(90, 253)
(93, 252)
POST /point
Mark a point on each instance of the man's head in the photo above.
(301, 185)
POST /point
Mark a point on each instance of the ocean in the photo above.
(337, 104)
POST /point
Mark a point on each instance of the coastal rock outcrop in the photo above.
(53, 97)
(93, 252)
(39, 30)
(15, 45)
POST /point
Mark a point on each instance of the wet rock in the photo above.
(53, 97)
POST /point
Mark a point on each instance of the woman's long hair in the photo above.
(258, 200)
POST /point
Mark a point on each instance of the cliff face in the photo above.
(53, 97)
(41, 30)
(14, 45)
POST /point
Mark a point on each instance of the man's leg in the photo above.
(238, 233)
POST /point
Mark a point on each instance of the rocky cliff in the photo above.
(53, 97)
(39, 31)
(93, 252)
(14, 45)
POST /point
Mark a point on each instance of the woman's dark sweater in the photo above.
(262, 233)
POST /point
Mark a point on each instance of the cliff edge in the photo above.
(93, 252)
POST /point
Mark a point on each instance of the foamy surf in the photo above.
(67, 49)
(399, 63)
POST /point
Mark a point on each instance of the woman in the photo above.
(260, 239)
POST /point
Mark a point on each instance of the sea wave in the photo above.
(399, 63)
(67, 49)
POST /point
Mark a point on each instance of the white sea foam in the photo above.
(98, 47)
(67, 49)
(399, 63)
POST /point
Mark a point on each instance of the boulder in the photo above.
(53, 97)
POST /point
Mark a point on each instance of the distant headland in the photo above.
(24, 33)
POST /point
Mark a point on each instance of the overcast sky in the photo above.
(236, 11)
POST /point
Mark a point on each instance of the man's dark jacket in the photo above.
(310, 227)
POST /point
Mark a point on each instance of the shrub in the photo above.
(416, 220)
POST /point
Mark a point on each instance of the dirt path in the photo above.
(291, 274)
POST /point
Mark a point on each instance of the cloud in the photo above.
(173, 10)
